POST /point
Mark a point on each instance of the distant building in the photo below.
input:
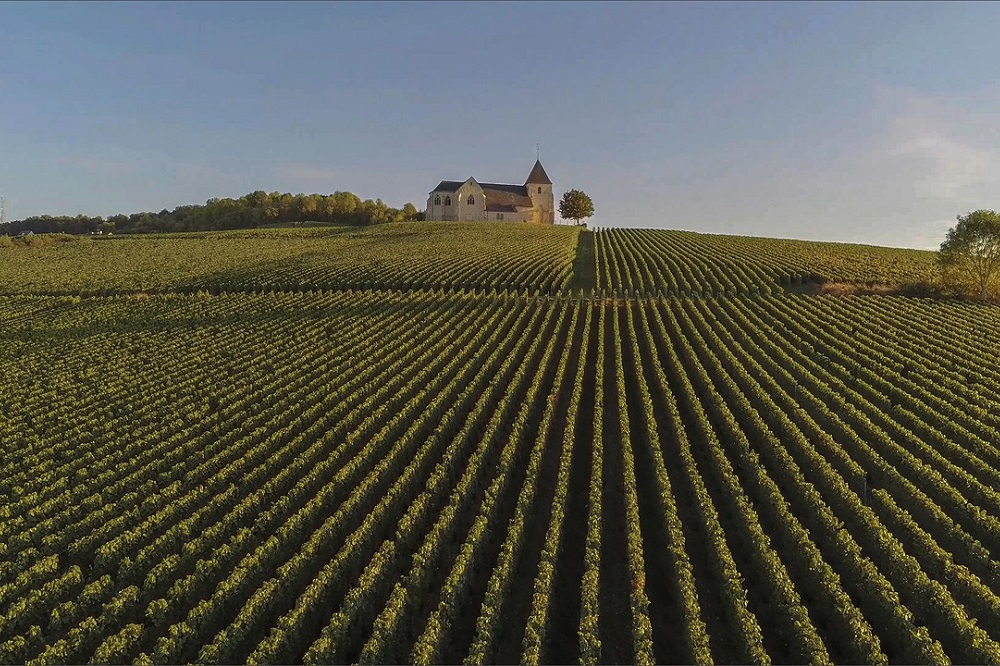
(461, 201)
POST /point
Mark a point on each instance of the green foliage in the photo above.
(36, 240)
(250, 211)
(685, 263)
(470, 464)
(575, 205)
(392, 256)
(970, 253)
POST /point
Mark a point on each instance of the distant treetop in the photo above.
(576, 205)
(970, 252)
(248, 212)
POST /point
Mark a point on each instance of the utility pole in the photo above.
(3, 211)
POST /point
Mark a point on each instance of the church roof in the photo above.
(500, 208)
(538, 175)
(500, 197)
(499, 194)
(448, 186)
(502, 187)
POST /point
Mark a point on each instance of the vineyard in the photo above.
(399, 256)
(383, 446)
(684, 263)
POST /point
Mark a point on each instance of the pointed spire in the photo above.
(538, 175)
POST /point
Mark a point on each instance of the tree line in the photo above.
(250, 211)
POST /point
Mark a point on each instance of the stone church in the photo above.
(454, 200)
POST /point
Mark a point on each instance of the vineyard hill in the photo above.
(493, 443)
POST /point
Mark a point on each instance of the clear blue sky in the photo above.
(873, 123)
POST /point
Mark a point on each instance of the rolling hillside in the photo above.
(488, 443)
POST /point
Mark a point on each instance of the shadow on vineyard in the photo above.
(563, 642)
(819, 286)
(584, 268)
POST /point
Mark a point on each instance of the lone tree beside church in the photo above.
(576, 205)
(970, 252)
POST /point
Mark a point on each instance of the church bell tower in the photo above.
(539, 188)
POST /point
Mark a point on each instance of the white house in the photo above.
(472, 201)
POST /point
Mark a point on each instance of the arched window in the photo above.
(539, 190)
(447, 201)
(437, 201)
(472, 200)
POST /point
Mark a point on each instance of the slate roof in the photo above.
(448, 186)
(502, 197)
(512, 189)
(538, 175)
(499, 194)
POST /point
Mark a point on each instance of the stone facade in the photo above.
(471, 201)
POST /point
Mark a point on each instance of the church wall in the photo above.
(544, 203)
(460, 210)
(440, 212)
(521, 216)
(475, 212)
